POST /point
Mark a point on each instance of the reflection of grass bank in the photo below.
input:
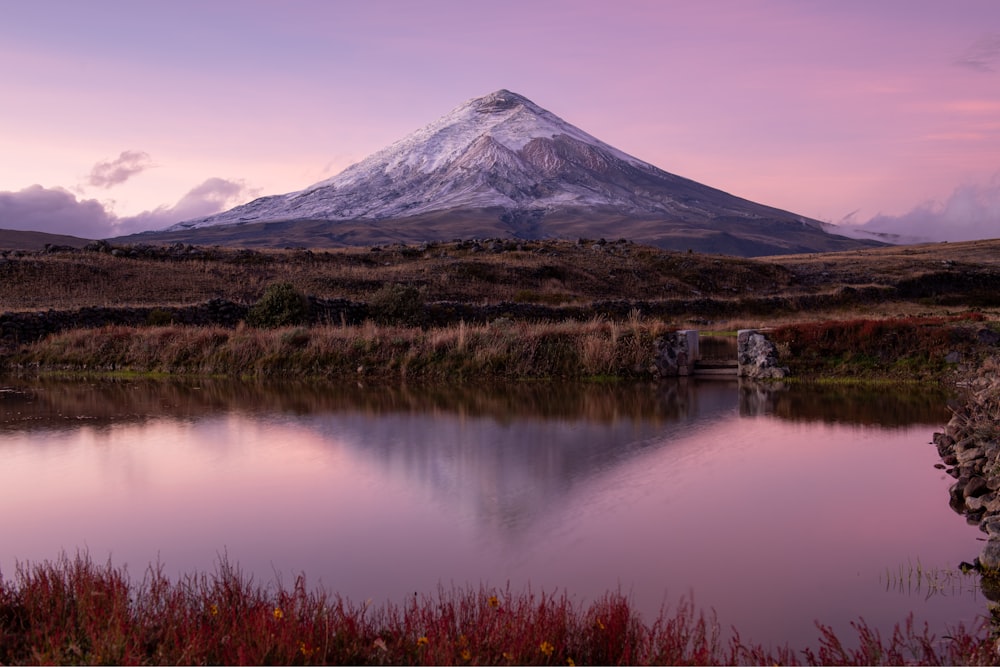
(74, 611)
(503, 349)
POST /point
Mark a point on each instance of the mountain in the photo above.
(501, 166)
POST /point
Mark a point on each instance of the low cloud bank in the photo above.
(58, 211)
(212, 196)
(53, 210)
(970, 213)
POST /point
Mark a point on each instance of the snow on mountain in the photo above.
(497, 151)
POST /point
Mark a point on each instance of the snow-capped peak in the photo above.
(489, 135)
(511, 120)
(502, 153)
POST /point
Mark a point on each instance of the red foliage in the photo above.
(73, 611)
(880, 339)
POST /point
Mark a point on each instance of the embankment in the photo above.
(924, 349)
(501, 350)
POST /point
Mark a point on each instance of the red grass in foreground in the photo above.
(74, 611)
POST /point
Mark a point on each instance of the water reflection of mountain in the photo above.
(501, 466)
(496, 452)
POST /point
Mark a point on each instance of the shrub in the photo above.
(397, 304)
(281, 305)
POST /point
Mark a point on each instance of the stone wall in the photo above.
(26, 327)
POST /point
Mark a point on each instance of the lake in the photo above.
(775, 507)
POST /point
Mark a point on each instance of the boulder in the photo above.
(976, 487)
(991, 526)
(758, 356)
(989, 559)
(969, 454)
(956, 493)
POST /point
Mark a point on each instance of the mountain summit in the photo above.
(500, 165)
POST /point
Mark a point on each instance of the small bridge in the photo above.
(686, 352)
(717, 357)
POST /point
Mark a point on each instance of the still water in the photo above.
(773, 507)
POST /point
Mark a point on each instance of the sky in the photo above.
(121, 116)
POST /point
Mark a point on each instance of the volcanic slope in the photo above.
(501, 166)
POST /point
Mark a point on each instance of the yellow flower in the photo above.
(508, 656)
(306, 651)
(278, 614)
(569, 661)
(214, 610)
(600, 625)
(493, 601)
(422, 641)
(546, 648)
(466, 655)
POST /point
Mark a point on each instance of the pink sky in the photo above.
(119, 116)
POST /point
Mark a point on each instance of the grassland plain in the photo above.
(899, 280)
(923, 312)
(474, 308)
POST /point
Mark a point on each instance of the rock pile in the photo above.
(970, 447)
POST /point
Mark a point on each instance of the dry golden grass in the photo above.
(505, 350)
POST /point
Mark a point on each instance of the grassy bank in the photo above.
(500, 350)
(897, 349)
(903, 348)
(73, 611)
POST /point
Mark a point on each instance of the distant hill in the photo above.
(501, 166)
(13, 239)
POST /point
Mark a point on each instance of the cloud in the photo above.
(54, 210)
(58, 211)
(212, 196)
(982, 55)
(970, 213)
(115, 172)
